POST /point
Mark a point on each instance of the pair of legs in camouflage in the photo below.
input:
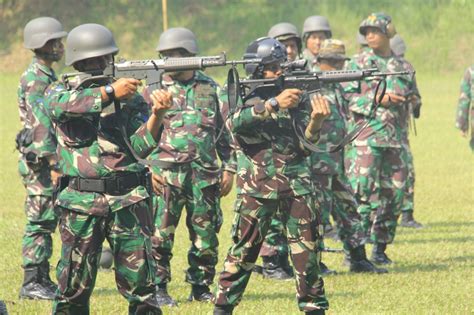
(335, 195)
(251, 222)
(203, 220)
(378, 177)
(37, 244)
(128, 232)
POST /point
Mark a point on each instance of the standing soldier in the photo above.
(273, 176)
(193, 176)
(103, 128)
(315, 29)
(378, 173)
(38, 165)
(465, 105)
(287, 34)
(328, 173)
(398, 46)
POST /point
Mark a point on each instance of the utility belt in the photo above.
(116, 185)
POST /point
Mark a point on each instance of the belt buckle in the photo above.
(92, 185)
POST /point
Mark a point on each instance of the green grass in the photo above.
(433, 269)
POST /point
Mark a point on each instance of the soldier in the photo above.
(193, 177)
(378, 173)
(287, 34)
(465, 105)
(315, 29)
(273, 176)
(38, 165)
(333, 188)
(398, 46)
(102, 128)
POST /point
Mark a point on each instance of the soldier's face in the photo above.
(313, 43)
(96, 63)
(272, 70)
(291, 48)
(331, 64)
(376, 39)
(54, 48)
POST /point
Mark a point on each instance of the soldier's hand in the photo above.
(320, 108)
(158, 182)
(289, 98)
(464, 134)
(162, 101)
(391, 99)
(54, 176)
(125, 87)
(226, 184)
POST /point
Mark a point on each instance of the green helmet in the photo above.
(378, 20)
(284, 31)
(88, 41)
(39, 31)
(178, 37)
(398, 46)
(316, 23)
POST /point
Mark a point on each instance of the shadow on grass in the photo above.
(418, 268)
(463, 239)
(435, 226)
(291, 294)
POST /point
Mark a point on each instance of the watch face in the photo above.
(109, 89)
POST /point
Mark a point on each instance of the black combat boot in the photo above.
(273, 270)
(223, 310)
(33, 288)
(162, 296)
(325, 271)
(409, 221)
(45, 279)
(3, 308)
(358, 262)
(315, 312)
(200, 293)
(378, 254)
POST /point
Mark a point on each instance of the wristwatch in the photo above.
(109, 90)
(274, 104)
(259, 108)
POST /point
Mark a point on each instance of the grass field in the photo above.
(433, 273)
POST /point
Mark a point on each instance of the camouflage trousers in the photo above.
(37, 244)
(335, 194)
(250, 225)
(408, 204)
(203, 220)
(275, 241)
(378, 177)
(129, 238)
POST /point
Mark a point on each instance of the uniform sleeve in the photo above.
(465, 97)
(64, 104)
(141, 139)
(223, 145)
(359, 93)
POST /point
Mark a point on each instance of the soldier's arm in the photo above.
(465, 97)
(359, 93)
(223, 145)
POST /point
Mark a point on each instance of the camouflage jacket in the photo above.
(271, 162)
(386, 129)
(332, 132)
(190, 130)
(33, 115)
(311, 59)
(465, 103)
(90, 144)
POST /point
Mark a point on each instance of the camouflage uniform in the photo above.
(333, 189)
(465, 104)
(272, 176)
(33, 165)
(378, 174)
(192, 179)
(92, 148)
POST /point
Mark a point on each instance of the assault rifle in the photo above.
(296, 76)
(152, 70)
